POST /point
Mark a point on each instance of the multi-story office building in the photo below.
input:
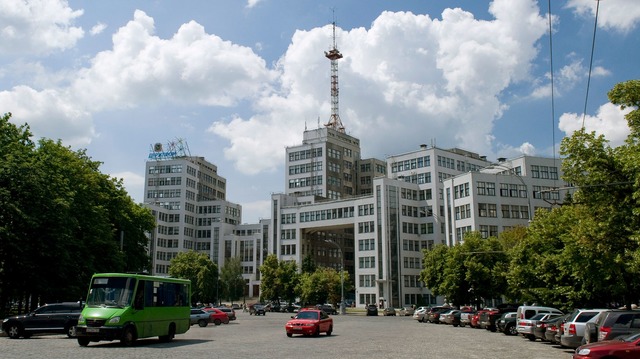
(377, 237)
(500, 196)
(187, 197)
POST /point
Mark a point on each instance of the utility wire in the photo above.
(593, 45)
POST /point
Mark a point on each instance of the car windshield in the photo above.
(537, 317)
(307, 315)
(111, 292)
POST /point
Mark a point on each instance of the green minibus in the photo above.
(127, 307)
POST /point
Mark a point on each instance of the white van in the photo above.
(528, 311)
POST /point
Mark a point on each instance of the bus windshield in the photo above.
(114, 292)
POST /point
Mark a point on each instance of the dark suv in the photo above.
(49, 318)
(611, 324)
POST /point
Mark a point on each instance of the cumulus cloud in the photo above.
(407, 79)
(37, 27)
(608, 121)
(620, 15)
(191, 68)
(252, 3)
(98, 28)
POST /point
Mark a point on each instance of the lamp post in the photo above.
(342, 306)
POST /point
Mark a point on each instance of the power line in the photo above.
(593, 46)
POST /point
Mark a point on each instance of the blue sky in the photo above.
(240, 80)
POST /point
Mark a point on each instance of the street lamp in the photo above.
(342, 306)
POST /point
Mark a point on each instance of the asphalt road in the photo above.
(354, 336)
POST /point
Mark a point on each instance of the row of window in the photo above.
(305, 154)
(154, 170)
(305, 168)
(411, 164)
(366, 244)
(164, 181)
(321, 215)
(305, 182)
(166, 193)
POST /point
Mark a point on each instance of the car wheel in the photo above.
(531, 337)
(83, 342)
(71, 331)
(14, 331)
(289, 335)
(217, 321)
(128, 336)
(510, 330)
(202, 323)
(330, 330)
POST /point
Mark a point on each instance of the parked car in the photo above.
(525, 327)
(200, 317)
(574, 326)
(372, 310)
(216, 316)
(475, 319)
(448, 316)
(389, 312)
(309, 322)
(229, 311)
(492, 316)
(551, 334)
(466, 315)
(624, 347)
(49, 318)
(528, 311)
(419, 314)
(407, 310)
(434, 314)
(327, 308)
(507, 323)
(611, 324)
(235, 306)
(257, 309)
(540, 329)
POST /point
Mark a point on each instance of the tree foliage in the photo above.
(231, 279)
(201, 271)
(58, 211)
(279, 279)
(322, 286)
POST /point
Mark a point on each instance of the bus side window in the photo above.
(139, 300)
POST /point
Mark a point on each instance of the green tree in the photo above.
(308, 264)
(270, 289)
(231, 279)
(321, 286)
(58, 211)
(202, 272)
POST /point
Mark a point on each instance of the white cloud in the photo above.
(407, 79)
(620, 15)
(98, 28)
(252, 3)
(37, 26)
(49, 112)
(609, 121)
(133, 182)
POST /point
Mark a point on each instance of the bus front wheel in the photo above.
(128, 336)
(83, 342)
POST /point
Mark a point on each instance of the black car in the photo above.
(257, 309)
(507, 323)
(372, 309)
(327, 308)
(49, 318)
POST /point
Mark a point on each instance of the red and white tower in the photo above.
(334, 55)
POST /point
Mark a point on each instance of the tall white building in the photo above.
(188, 199)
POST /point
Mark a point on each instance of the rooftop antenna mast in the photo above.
(334, 55)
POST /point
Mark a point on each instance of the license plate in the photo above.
(93, 330)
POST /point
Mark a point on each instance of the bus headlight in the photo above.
(114, 320)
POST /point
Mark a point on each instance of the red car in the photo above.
(624, 348)
(309, 322)
(217, 316)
